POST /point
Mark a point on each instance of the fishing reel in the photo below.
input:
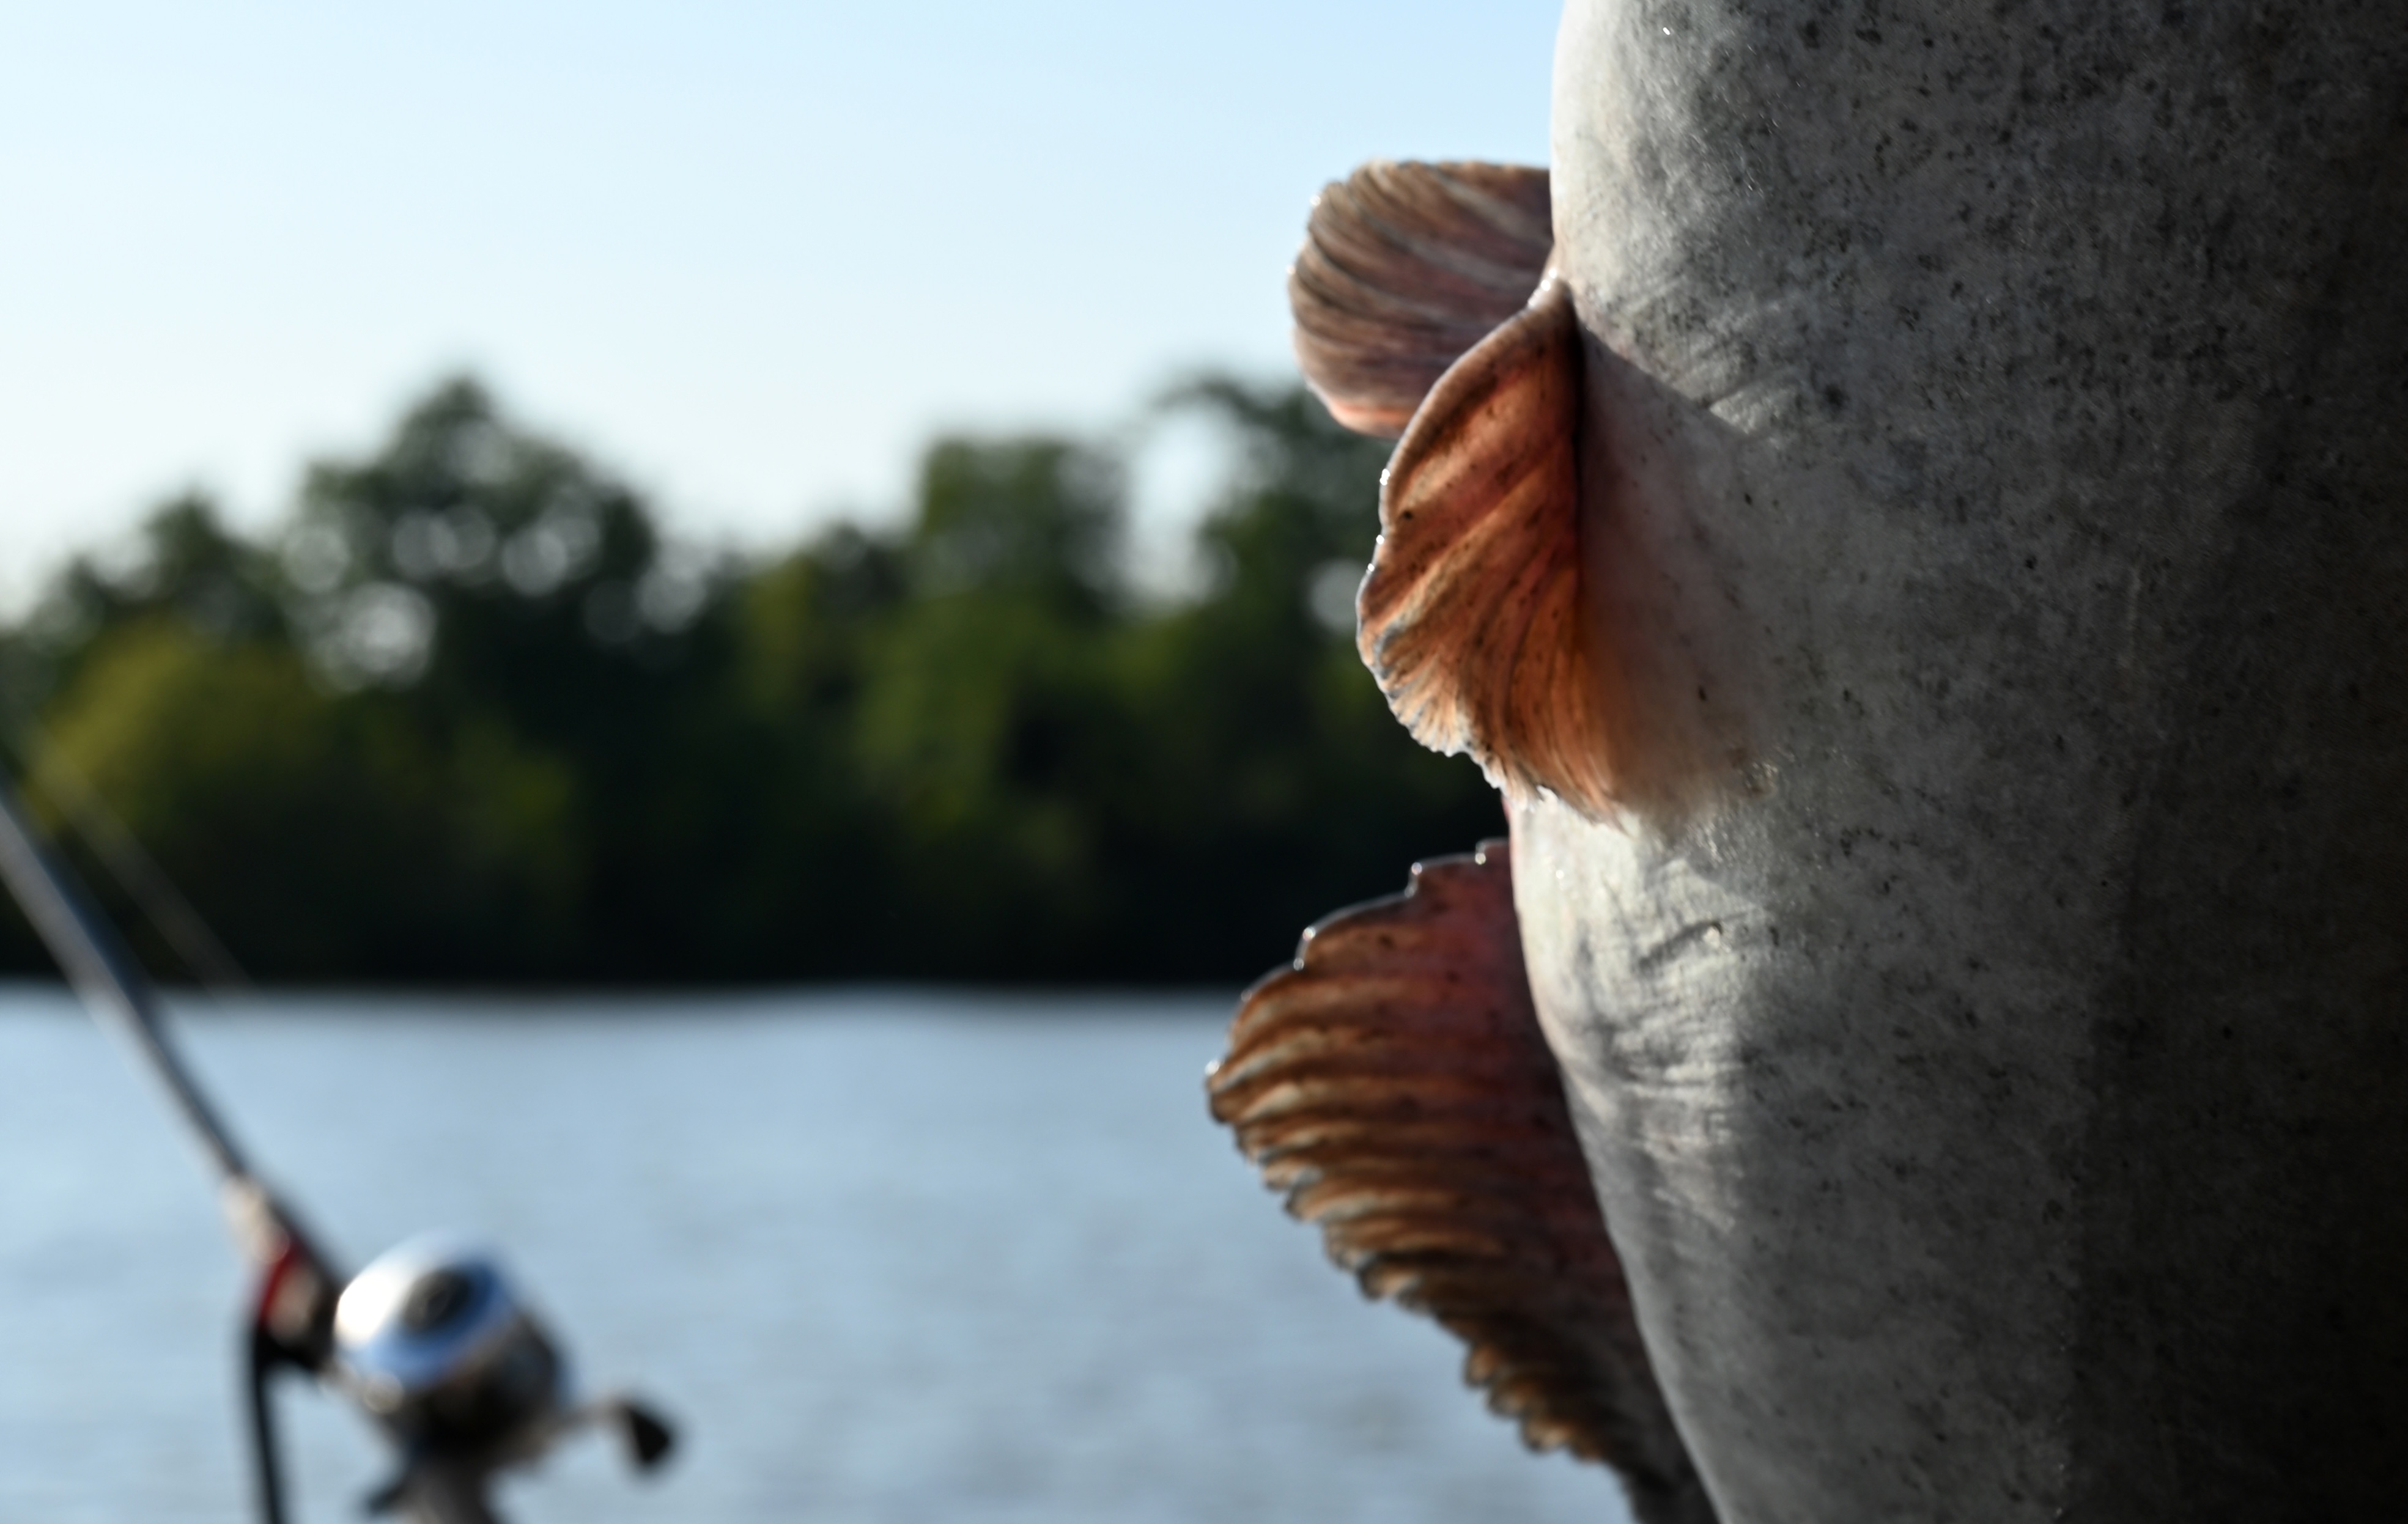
(435, 1346)
(430, 1339)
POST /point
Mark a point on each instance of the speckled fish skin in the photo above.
(1991, 1045)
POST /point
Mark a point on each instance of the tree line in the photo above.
(468, 715)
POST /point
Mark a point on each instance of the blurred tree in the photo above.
(1026, 519)
(986, 714)
(472, 717)
(324, 835)
(181, 568)
(1278, 786)
(181, 563)
(501, 585)
(818, 894)
(485, 566)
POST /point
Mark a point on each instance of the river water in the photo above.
(886, 1258)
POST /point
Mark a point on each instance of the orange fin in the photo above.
(1395, 1083)
(1472, 617)
(1405, 267)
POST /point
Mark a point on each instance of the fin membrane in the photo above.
(1405, 267)
(1395, 1083)
(1472, 617)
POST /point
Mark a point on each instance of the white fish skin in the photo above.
(1990, 1040)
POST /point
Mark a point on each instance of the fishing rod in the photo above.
(430, 1341)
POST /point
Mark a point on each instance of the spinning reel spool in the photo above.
(431, 1341)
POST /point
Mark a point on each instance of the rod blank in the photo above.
(104, 973)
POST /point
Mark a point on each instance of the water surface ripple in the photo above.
(887, 1257)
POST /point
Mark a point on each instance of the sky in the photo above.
(750, 255)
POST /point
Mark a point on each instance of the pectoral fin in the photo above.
(1472, 617)
(1396, 1084)
(1405, 267)
(1424, 308)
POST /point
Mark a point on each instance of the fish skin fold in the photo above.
(1976, 963)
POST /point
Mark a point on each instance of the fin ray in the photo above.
(1472, 617)
(1395, 1083)
(1405, 267)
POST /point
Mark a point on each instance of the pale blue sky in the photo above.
(751, 255)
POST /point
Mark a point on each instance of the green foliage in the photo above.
(323, 834)
(1034, 520)
(468, 716)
